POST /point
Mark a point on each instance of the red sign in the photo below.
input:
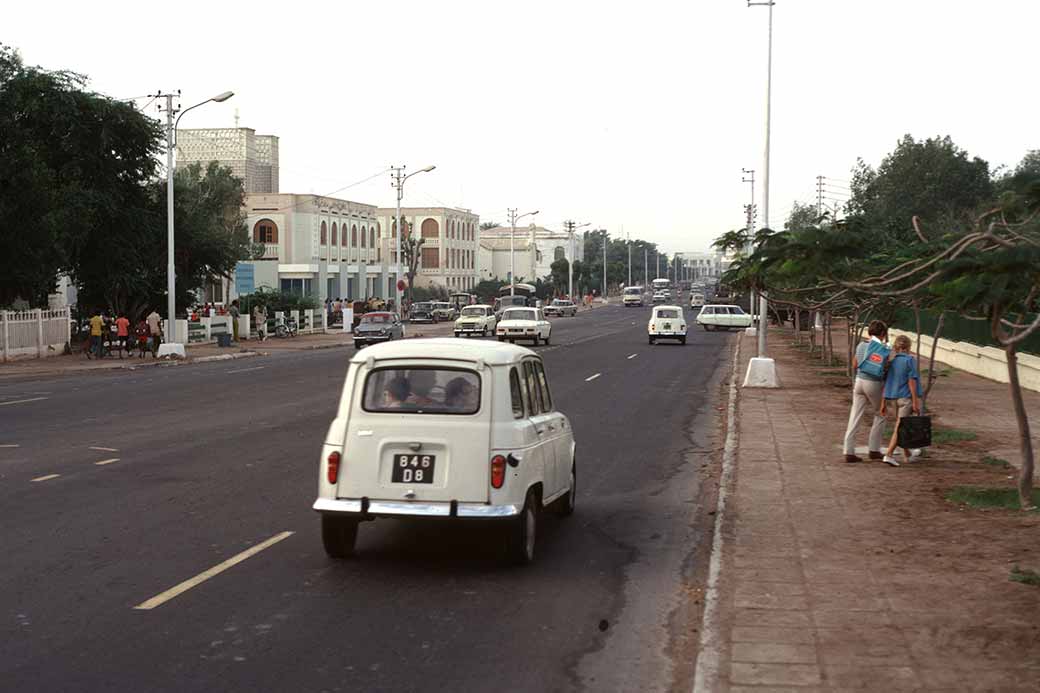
(400, 285)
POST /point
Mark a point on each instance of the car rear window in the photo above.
(668, 314)
(519, 314)
(422, 391)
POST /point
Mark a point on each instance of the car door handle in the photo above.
(540, 431)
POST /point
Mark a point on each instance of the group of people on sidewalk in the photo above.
(109, 332)
(887, 381)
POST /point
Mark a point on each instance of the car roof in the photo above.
(444, 348)
(377, 314)
(476, 305)
(657, 308)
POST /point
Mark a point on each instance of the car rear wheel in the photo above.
(682, 340)
(338, 534)
(523, 532)
(651, 340)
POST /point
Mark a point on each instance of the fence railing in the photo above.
(33, 333)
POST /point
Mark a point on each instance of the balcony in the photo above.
(270, 251)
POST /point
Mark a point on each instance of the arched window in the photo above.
(559, 253)
(335, 234)
(324, 234)
(372, 237)
(364, 237)
(430, 229)
(265, 231)
(353, 236)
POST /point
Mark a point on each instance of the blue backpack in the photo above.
(875, 360)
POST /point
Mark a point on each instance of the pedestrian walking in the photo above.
(234, 313)
(871, 365)
(123, 334)
(154, 330)
(902, 395)
(260, 318)
(142, 334)
(97, 326)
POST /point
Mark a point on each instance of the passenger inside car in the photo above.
(461, 396)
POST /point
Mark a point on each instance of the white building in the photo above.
(535, 248)
(252, 158)
(699, 265)
(448, 257)
(307, 238)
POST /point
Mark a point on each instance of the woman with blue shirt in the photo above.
(902, 393)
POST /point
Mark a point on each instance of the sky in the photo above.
(634, 117)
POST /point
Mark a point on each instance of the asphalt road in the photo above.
(203, 461)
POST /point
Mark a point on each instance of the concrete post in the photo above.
(39, 333)
(7, 342)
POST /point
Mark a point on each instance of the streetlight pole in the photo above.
(604, 264)
(570, 263)
(646, 266)
(513, 218)
(171, 143)
(397, 180)
(628, 242)
(762, 370)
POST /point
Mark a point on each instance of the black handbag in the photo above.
(914, 432)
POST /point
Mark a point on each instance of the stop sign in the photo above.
(400, 285)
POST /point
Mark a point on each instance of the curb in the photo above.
(706, 668)
(224, 357)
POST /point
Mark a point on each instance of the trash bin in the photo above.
(223, 340)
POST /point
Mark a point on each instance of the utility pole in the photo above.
(628, 242)
(569, 225)
(604, 264)
(646, 267)
(749, 209)
(819, 196)
(171, 272)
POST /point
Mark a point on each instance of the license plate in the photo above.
(668, 326)
(413, 469)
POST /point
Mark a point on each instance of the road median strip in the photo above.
(592, 377)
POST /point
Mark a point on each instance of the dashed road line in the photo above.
(183, 587)
(23, 401)
(244, 370)
(632, 356)
(592, 377)
(104, 462)
(9, 445)
(47, 477)
(98, 447)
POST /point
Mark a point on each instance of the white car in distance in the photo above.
(632, 296)
(696, 300)
(723, 317)
(476, 320)
(667, 322)
(523, 324)
(443, 429)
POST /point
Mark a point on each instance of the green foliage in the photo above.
(1025, 576)
(984, 498)
(276, 300)
(996, 462)
(558, 275)
(487, 290)
(802, 216)
(952, 435)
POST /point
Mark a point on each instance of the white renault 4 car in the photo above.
(667, 322)
(442, 429)
(476, 320)
(523, 323)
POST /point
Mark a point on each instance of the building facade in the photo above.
(448, 256)
(252, 158)
(310, 242)
(695, 266)
(541, 248)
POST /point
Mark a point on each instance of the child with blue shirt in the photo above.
(902, 394)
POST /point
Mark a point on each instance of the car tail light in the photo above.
(498, 471)
(333, 466)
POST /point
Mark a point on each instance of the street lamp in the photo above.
(570, 264)
(762, 370)
(398, 179)
(171, 143)
(513, 218)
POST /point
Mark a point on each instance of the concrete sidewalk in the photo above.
(840, 576)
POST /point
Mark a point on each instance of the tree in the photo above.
(802, 216)
(932, 179)
(559, 275)
(411, 253)
(489, 225)
(73, 171)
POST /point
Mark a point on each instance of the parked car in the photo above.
(666, 322)
(523, 323)
(722, 317)
(421, 312)
(561, 307)
(438, 428)
(444, 311)
(377, 327)
(476, 320)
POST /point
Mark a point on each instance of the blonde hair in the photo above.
(902, 343)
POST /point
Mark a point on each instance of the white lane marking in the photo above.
(592, 377)
(97, 447)
(48, 477)
(169, 594)
(104, 462)
(9, 445)
(23, 401)
(244, 370)
(632, 356)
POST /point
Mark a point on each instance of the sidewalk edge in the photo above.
(706, 668)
